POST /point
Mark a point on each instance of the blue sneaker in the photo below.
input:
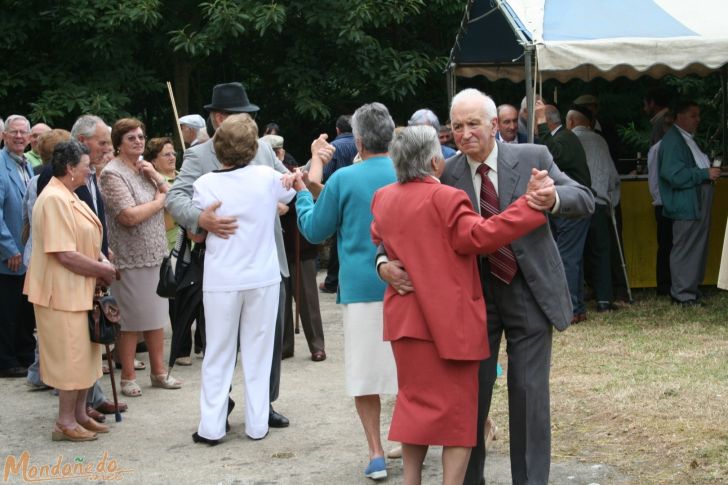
(377, 469)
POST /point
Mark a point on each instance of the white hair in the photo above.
(86, 126)
(412, 150)
(473, 94)
(13, 118)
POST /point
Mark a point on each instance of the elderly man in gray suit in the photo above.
(525, 296)
(228, 99)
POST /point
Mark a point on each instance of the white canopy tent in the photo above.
(586, 39)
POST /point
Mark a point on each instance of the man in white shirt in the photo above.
(605, 185)
(508, 125)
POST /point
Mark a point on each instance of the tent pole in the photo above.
(528, 61)
(450, 83)
(724, 98)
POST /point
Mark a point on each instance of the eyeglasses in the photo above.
(18, 132)
(135, 137)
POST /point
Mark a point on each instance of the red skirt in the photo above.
(437, 402)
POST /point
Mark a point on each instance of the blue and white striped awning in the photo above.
(593, 38)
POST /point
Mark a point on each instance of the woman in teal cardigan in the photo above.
(343, 208)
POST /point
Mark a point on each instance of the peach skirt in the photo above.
(69, 361)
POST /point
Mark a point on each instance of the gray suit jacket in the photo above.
(537, 255)
(201, 159)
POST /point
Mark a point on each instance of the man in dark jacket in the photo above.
(570, 234)
(687, 195)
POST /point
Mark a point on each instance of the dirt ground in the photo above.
(153, 445)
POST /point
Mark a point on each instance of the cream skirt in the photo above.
(370, 367)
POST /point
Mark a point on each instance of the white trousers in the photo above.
(247, 316)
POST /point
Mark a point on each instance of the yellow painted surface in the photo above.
(639, 232)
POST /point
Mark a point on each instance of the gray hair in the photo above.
(524, 101)
(412, 150)
(86, 126)
(574, 116)
(552, 114)
(424, 117)
(487, 102)
(373, 126)
(2, 125)
(13, 118)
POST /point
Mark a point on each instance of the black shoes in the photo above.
(326, 289)
(199, 439)
(231, 406)
(688, 303)
(277, 420)
(18, 371)
(605, 306)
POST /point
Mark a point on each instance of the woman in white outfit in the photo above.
(241, 280)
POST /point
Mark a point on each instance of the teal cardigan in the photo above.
(679, 178)
(344, 208)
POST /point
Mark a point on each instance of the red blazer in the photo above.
(433, 230)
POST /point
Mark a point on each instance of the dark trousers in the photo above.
(597, 254)
(570, 236)
(513, 310)
(275, 368)
(186, 348)
(308, 305)
(332, 271)
(17, 322)
(664, 246)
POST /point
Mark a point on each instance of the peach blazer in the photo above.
(61, 222)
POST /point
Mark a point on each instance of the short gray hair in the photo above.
(373, 126)
(486, 101)
(412, 150)
(86, 126)
(13, 118)
(424, 117)
(552, 114)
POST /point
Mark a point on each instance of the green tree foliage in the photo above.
(304, 62)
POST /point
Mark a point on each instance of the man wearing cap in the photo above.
(307, 300)
(193, 132)
(200, 159)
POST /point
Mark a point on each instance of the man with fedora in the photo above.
(227, 99)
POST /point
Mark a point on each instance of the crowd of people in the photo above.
(433, 262)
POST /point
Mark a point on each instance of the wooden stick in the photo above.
(176, 115)
(297, 290)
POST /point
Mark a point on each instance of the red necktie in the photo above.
(502, 262)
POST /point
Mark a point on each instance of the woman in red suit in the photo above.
(438, 332)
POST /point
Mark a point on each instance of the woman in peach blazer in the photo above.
(64, 266)
(439, 331)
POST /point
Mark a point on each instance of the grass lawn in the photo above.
(643, 389)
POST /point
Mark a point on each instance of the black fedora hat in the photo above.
(231, 98)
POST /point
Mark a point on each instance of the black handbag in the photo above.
(167, 286)
(103, 320)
